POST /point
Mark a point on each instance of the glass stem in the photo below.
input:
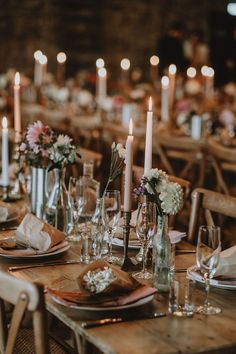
(207, 285)
(145, 251)
(110, 233)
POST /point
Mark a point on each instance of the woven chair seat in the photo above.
(25, 343)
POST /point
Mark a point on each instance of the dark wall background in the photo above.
(87, 29)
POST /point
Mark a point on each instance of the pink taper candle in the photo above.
(128, 169)
(5, 158)
(17, 116)
(148, 145)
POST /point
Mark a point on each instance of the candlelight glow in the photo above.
(43, 59)
(102, 72)
(61, 57)
(17, 79)
(125, 64)
(150, 104)
(4, 123)
(100, 63)
(211, 72)
(154, 60)
(37, 54)
(165, 81)
(191, 72)
(172, 69)
(131, 126)
(204, 70)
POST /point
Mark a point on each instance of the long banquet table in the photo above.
(167, 335)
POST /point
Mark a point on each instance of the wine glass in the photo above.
(208, 255)
(111, 216)
(145, 229)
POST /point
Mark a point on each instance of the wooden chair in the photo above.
(180, 155)
(223, 160)
(24, 296)
(207, 202)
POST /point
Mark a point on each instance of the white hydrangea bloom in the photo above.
(171, 197)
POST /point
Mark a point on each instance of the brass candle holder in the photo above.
(127, 263)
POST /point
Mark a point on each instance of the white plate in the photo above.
(221, 284)
(35, 256)
(11, 217)
(96, 308)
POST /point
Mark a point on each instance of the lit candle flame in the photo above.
(102, 72)
(17, 79)
(61, 57)
(150, 104)
(43, 59)
(4, 123)
(37, 54)
(172, 69)
(191, 72)
(125, 64)
(100, 63)
(154, 60)
(165, 81)
(204, 70)
(211, 72)
(131, 126)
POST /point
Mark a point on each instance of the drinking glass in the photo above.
(145, 229)
(111, 216)
(208, 255)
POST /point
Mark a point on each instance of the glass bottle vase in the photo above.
(161, 255)
(58, 210)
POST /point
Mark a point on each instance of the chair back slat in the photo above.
(210, 202)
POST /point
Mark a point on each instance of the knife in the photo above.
(46, 264)
(112, 320)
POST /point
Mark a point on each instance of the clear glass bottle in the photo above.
(161, 255)
(58, 210)
(89, 189)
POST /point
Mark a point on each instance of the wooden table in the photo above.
(167, 335)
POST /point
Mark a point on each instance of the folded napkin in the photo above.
(103, 284)
(227, 264)
(3, 213)
(35, 233)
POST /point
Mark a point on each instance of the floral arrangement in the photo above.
(167, 195)
(117, 163)
(43, 147)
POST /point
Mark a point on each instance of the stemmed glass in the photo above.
(145, 229)
(111, 216)
(208, 255)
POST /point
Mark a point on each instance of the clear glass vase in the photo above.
(97, 231)
(161, 255)
(59, 209)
